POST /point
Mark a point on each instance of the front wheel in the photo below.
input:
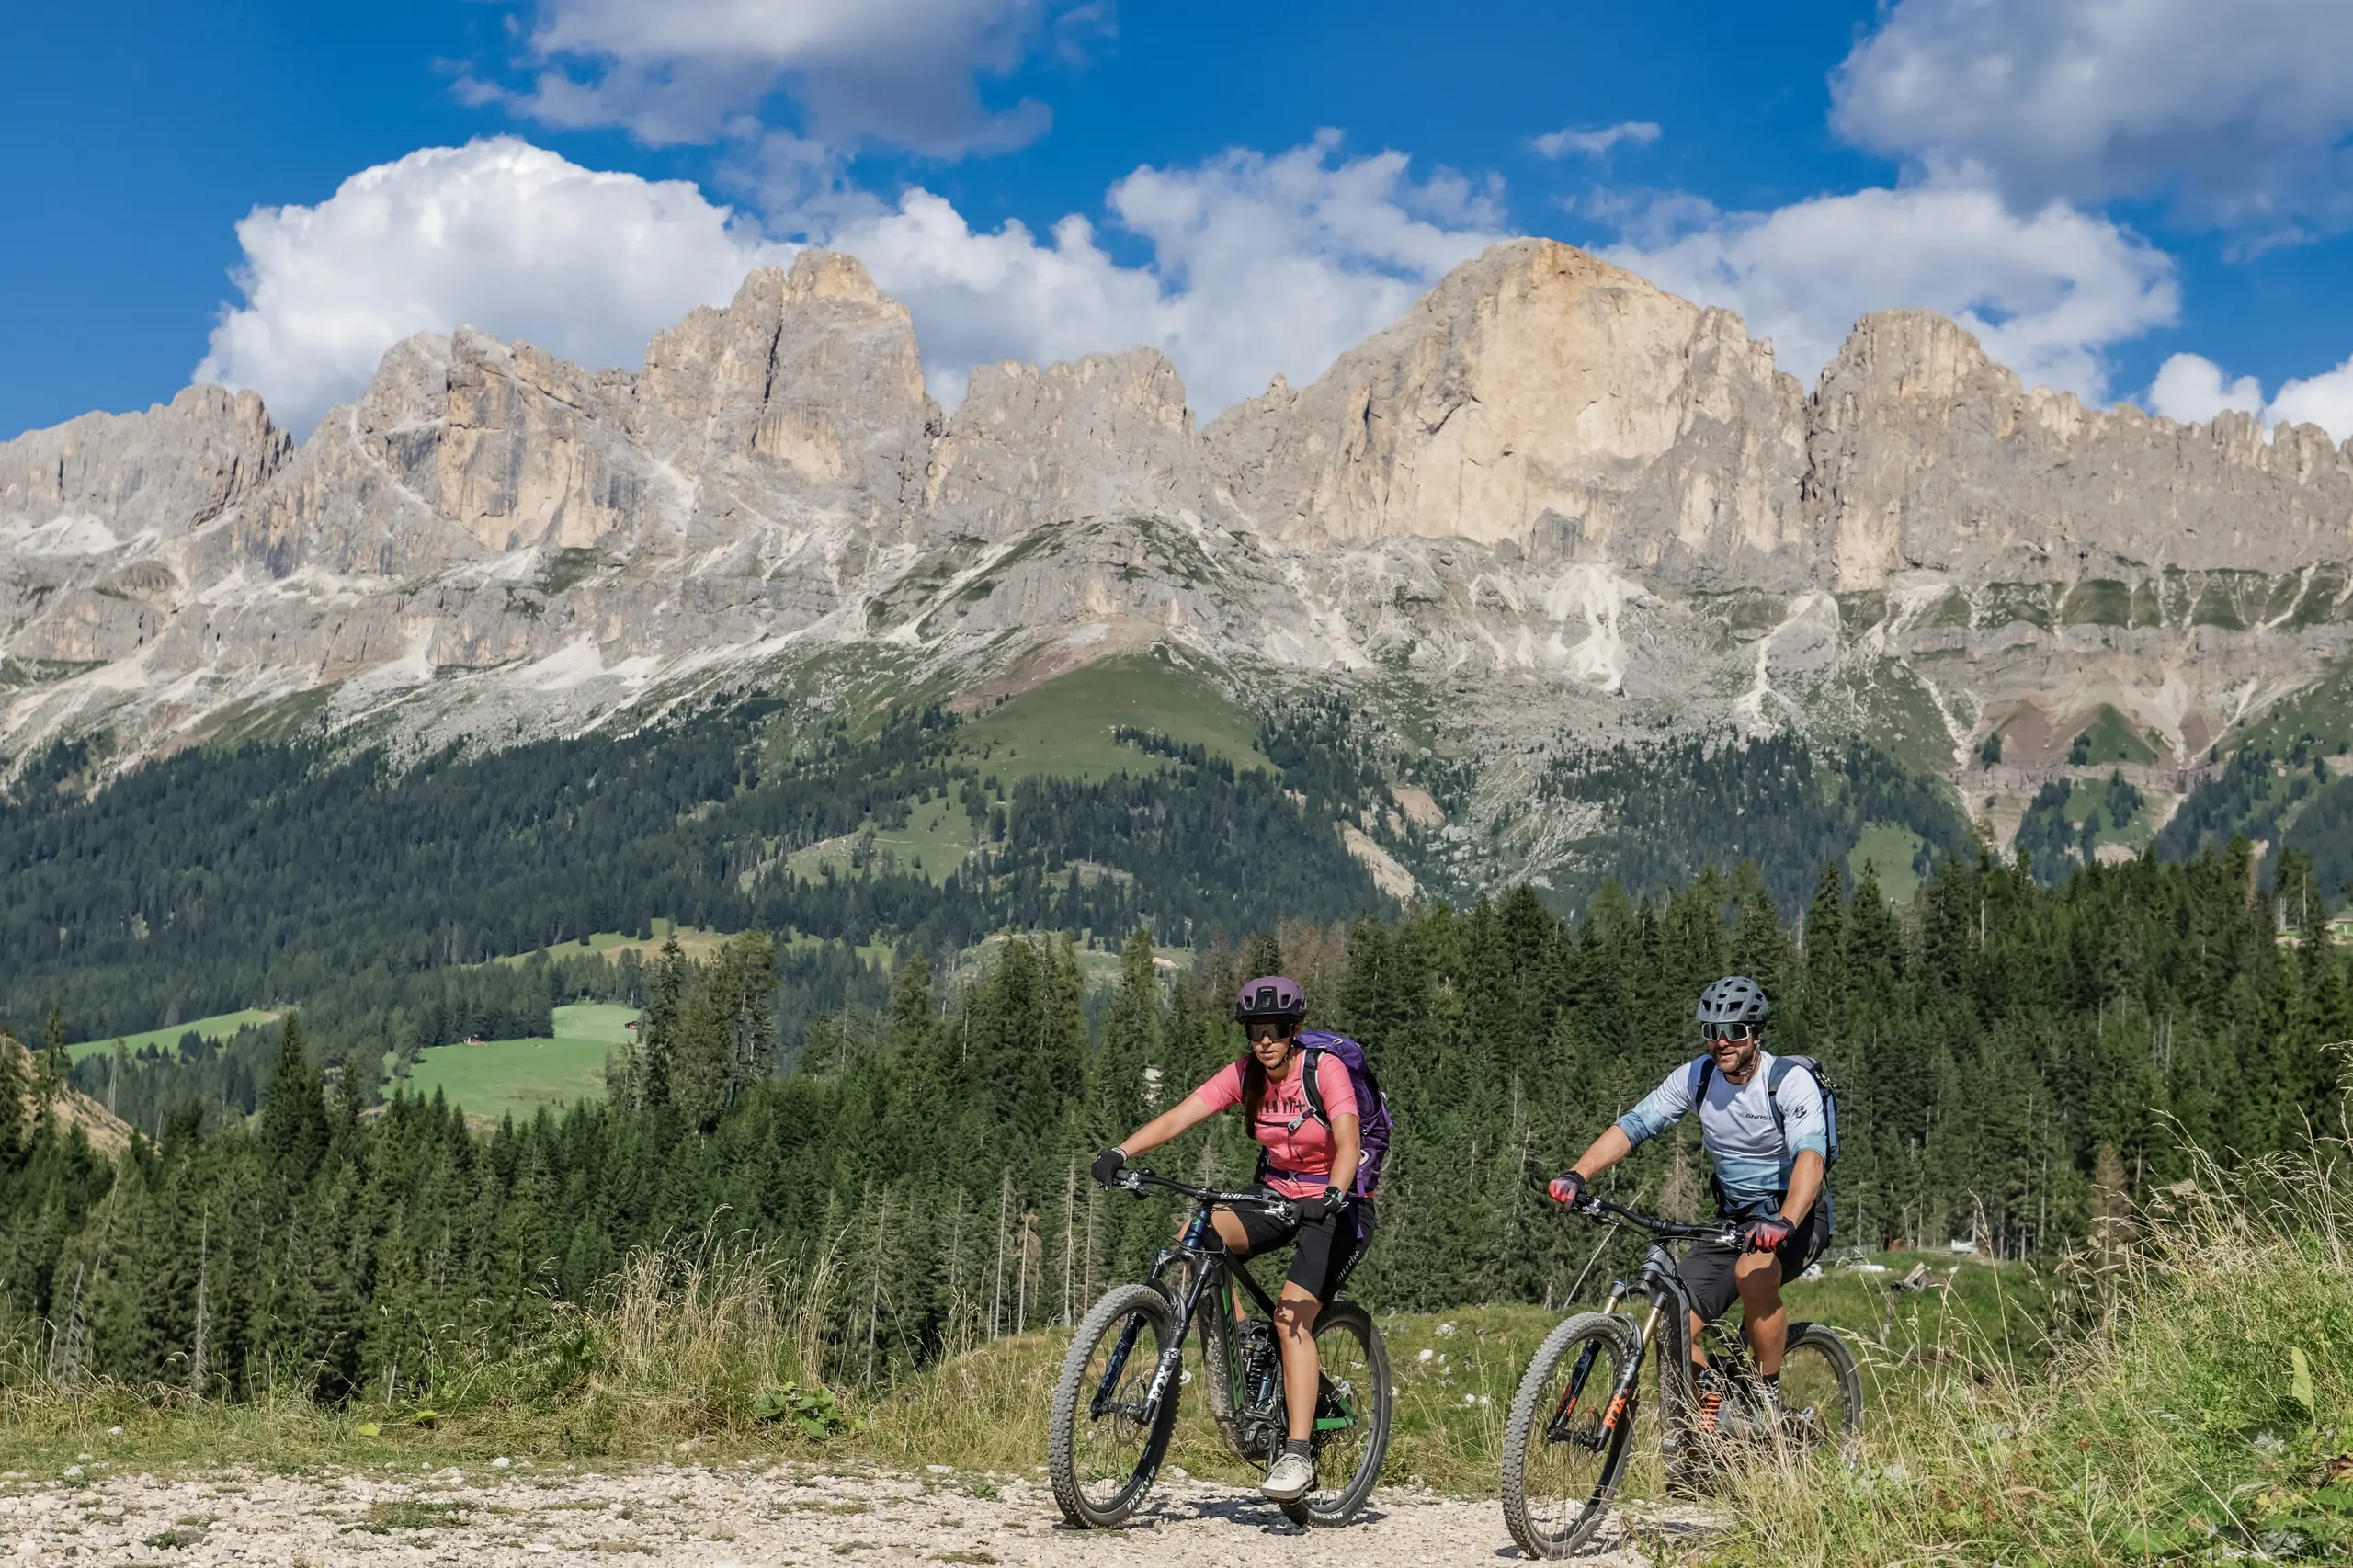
(1566, 1445)
(1103, 1445)
(1353, 1395)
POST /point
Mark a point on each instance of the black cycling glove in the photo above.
(1108, 1165)
(1330, 1204)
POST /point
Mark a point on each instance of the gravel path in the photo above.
(707, 1517)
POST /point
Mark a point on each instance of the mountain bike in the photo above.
(1572, 1429)
(1115, 1405)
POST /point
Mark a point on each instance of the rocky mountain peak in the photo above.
(1542, 397)
(103, 478)
(1548, 468)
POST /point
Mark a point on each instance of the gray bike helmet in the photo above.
(1735, 999)
(1270, 997)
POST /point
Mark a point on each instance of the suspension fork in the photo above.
(1098, 1407)
(1172, 1356)
(1557, 1429)
(1622, 1398)
(1102, 1401)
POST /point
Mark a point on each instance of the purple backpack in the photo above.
(1373, 1125)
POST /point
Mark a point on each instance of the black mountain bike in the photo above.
(1115, 1404)
(1572, 1428)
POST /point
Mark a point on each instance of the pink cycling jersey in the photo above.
(1295, 1140)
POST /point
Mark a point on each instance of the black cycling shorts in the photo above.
(1328, 1249)
(1707, 1268)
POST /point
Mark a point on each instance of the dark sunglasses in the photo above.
(1739, 1034)
(1260, 1033)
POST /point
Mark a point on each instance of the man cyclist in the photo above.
(1310, 1161)
(1769, 1150)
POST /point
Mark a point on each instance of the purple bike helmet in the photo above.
(1270, 997)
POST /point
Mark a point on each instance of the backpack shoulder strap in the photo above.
(1704, 1073)
(1781, 1068)
(1312, 1058)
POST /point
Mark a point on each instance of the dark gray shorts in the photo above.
(1707, 1268)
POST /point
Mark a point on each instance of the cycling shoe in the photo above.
(1288, 1479)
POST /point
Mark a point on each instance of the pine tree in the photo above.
(294, 1114)
(1261, 954)
(56, 1066)
(16, 1088)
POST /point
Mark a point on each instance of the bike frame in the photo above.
(1209, 1265)
(1659, 1281)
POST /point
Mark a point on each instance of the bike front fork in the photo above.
(1623, 1397)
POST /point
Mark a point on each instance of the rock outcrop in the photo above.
(1542, 397)
(1925, 453)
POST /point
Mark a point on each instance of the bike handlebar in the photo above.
(1601, 1209)
(1135, 1181)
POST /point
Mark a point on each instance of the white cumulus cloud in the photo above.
(2190, 388)
(497, 235)
(2047, 293)
(1258, 263)
(2239, 109)
(902, 70)
(1593, 144)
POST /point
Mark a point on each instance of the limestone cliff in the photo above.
(1552, 493)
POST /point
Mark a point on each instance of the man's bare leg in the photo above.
(1767, 1326)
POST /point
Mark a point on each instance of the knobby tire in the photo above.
(1070, 1420)
(1532, 1410)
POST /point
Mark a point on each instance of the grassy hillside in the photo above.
(1063, 729)
(221, 1026)
(1892, 852)
(517, 1077)
(2192, 1411)
(205, 882)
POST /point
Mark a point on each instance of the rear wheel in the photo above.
(1564, 1448)
(1102, 1448)
(1822, 1392)
(1352, 1407)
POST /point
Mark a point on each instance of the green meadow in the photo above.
(517, 1077)
(1890, 850)
(1065, 728)
(221, 1026)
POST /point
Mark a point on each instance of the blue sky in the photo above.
(2116, 193)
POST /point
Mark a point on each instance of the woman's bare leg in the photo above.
(1295, 1333)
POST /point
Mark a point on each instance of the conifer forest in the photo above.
(2014, 1059)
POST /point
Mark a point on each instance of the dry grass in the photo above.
(2196, 1411)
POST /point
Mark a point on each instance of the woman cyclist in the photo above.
(1310, 1161)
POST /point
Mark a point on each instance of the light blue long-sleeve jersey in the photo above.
(1736, 1125)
